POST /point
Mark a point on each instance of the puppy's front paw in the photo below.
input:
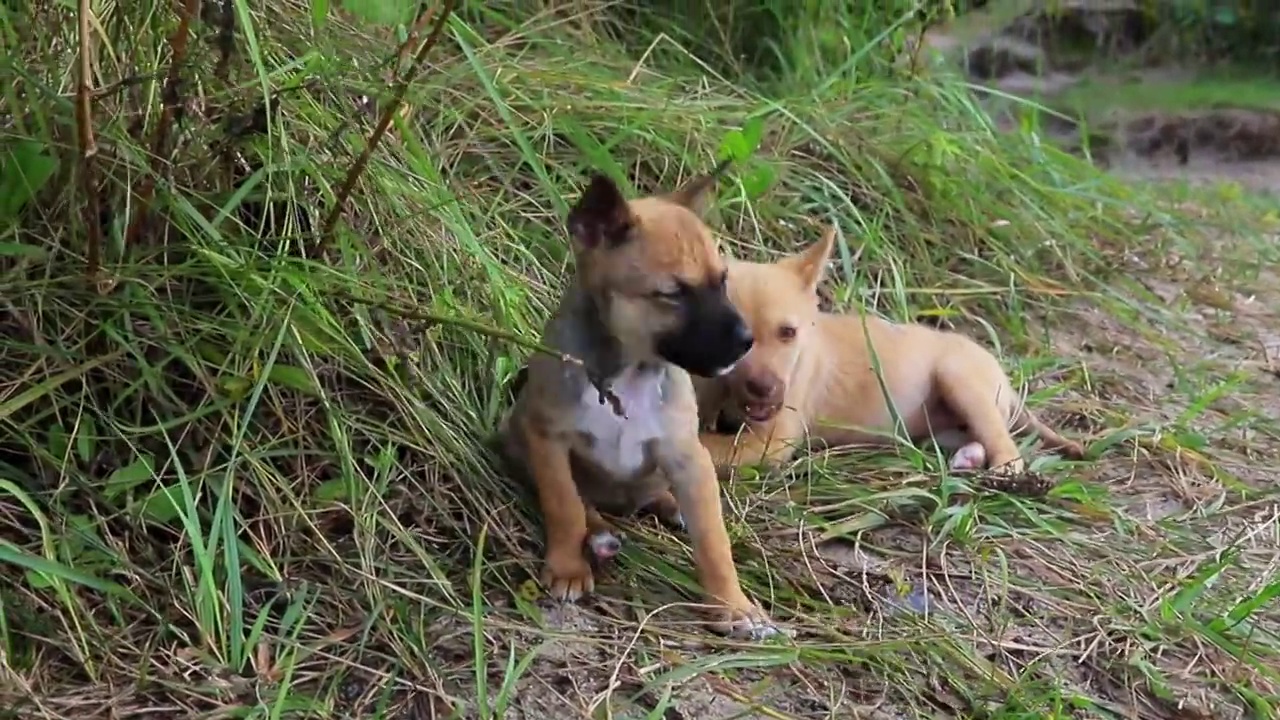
(747, 622)
(567, 575)
(604, 545)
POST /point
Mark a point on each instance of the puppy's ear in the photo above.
(697, 194)
(601, 217)
(811, 265)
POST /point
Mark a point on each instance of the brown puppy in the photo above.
(812, 375)
(619, 430)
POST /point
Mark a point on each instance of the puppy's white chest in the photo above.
(618, 442)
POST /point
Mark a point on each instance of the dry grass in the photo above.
(241, 472)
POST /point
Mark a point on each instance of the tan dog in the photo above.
(619, 431)
(811, 376)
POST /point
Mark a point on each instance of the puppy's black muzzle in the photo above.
(711, 336)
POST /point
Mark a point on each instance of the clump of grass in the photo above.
(242, 467)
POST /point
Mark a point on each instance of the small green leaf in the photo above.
(319, 13)
(1192, 440)
(38, 581)
(161, 506)
(82, 530)
(130, 476)
(383, 12)
(331, 491)
(753, 133)
(292, 377)
(86, 436)
(84, 523)
(734, 147)
(236, 387)
(42, 570)
(757, 180)
(738, 145)
(24, 172)
(58, 442)
(23, 251)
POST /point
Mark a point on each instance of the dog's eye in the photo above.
(724, 280)
(787, 333)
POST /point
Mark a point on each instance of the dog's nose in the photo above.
(759, 389)
(741, 338)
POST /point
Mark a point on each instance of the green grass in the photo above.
(1199, 92)
(242, 475)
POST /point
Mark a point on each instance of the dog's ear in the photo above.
(601, 216)
(811, 265)
(697, 193)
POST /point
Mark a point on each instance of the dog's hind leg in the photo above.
(966, 454)
(971, 456)
(978, 405)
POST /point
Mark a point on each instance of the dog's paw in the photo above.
(677, 521)
(667, 510)
(747, 622)
(567, 576)
(604, 545)
(971, 456)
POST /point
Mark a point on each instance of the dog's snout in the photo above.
(740, 337)
(712, 339)
(759, 388)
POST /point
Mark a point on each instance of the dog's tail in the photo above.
(1026, 420)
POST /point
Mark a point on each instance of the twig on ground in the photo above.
(88, 146)
(479, 328)
(424, 16)
(357, 168)
(169, 100)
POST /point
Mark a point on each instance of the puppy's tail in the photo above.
(1025, 420)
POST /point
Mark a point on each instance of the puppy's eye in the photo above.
(724, 280)
(787, 333)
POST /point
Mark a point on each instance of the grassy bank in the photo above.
(242, 474)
